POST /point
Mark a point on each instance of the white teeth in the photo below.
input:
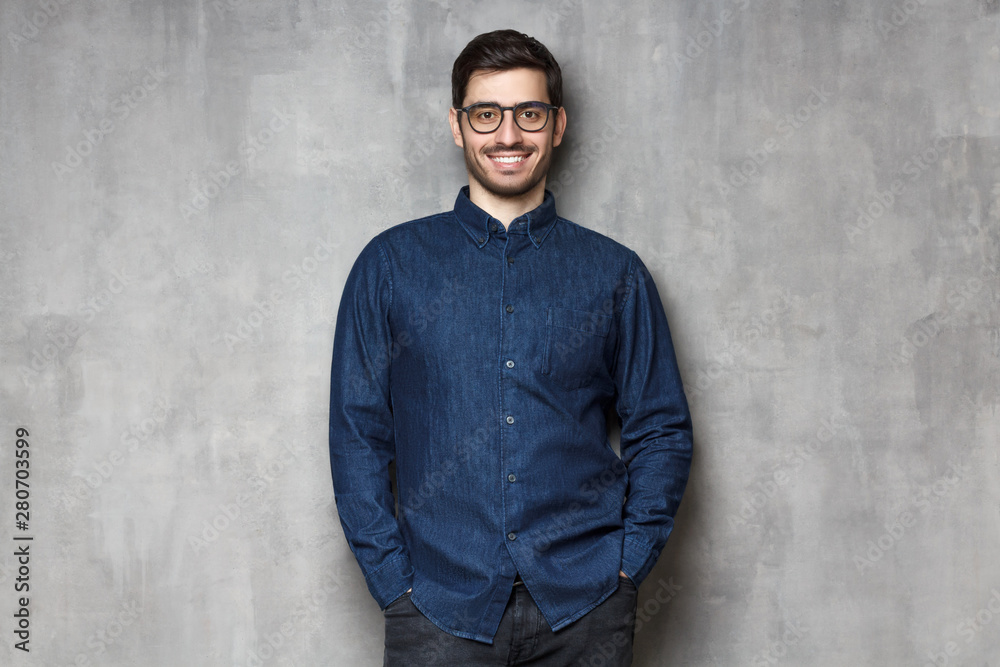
(508, 160)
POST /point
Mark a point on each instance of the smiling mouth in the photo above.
(508, 159)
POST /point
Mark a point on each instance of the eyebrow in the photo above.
(502, 105)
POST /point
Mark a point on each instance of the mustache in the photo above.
(516, 148)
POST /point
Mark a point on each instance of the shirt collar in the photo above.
(479, 224)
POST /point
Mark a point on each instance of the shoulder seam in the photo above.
(388, 267)
(425, 218)
(629, 281)
(600, 234)
(626, 403)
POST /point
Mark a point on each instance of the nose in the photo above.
(508, 133)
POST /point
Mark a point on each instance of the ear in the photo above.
(557, 134)
(455, 120)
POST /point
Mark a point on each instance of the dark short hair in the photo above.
(502, 50)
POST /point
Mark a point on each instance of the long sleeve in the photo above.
(361, 427)
(656, 433)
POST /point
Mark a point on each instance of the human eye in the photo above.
(484, 113)
(531, 111)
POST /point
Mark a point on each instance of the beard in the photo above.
(505, 187)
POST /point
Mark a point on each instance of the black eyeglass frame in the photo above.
(549, 108)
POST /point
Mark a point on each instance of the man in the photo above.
(480, 349)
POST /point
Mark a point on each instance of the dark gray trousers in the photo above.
(601, 638)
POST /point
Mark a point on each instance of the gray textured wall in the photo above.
(816, 187)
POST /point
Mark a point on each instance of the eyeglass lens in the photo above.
(529, 116)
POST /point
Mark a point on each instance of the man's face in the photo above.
(509, 162)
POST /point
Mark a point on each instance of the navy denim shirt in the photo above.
(483, 361)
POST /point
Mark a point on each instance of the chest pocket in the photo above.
(574, 346)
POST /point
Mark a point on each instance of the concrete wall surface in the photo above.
(184, 186)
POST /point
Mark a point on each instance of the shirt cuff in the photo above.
(390, 581)
(638, 560)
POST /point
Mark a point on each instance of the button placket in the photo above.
(509, 364)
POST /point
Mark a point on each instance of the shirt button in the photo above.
(511, 536)
(493, 227)
(510, 308)
(510, 420)
(481, 239)
(510, 260)
(510, 363)
(511, 478)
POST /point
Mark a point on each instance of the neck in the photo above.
(506, 209)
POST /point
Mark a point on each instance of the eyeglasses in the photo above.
(529, 116)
